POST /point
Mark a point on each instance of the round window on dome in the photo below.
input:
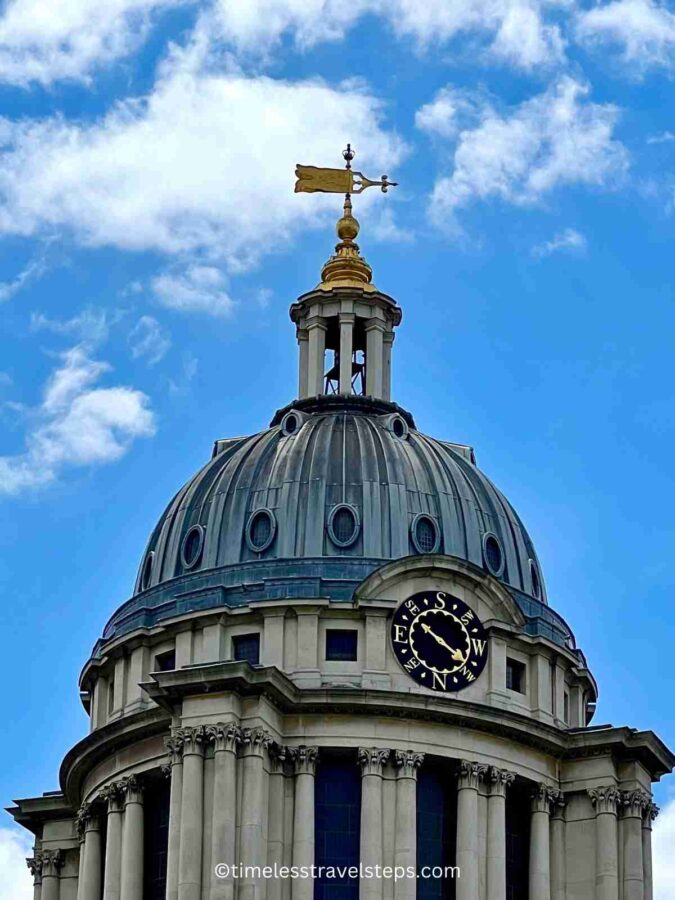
(260, 530)
(193, 545)
(290, 424)
(425, 534)
(343, 525)
(146, 574)
(535, 579)
(493, 555)
(400, 427)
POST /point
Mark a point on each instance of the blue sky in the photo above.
(151, 244)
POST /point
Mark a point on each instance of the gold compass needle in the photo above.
(456, 654)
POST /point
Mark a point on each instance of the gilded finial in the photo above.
(346, 265)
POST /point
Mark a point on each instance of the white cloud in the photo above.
(446, 113)
(569, 239)
(516, 30)
(663, 841)
(91, 325)
(204, 164)
(149, 339)
(46, 41)
(643, 29)
(556, 138)
(198, 289)
(667, 137)
(76, 424)
(16, 881)
(32, 271)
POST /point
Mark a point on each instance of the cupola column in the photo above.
(132, 839)
(372, 761)
(605, 801)
(470, 775)
(316, 329)
(388, 339)
(174, 770)
(255, 742)
(347, 321)
(194, 741)
(540, 842)
(375, 329)
(304, 762)
(405, 848)
(112, 795)
(633, 804)
(303, 361)
(500, 780)
(225, 738)
(651, 812)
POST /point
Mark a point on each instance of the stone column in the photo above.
(372, 761)
(540, 842)
(558, 867)
(374, 357)
(112, 795)
(499, 780)
(633, 804)
(225, 738)
(606, 800)
(650, 813)
(388, 339)
(254, 742)
(304, 762)
(132, 839)
(316, 329)
(276, 822)
(34, 863)
(303, 353)
(194, 741)
(469, 776)
(407, 763)
(346, 351)
(174, 770)
(52, 860)
(89, 828)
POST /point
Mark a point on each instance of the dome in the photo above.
(333, 489)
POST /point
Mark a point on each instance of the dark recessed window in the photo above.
(341, 644)
(165, 662)
(493, 554)
(515, 675)
(146, 574)
(566, 711)
(343, 525)
(536, 582)
(193, 544)
(260, 530)
(246, 647)
(111, 693)
(399, 428)
(290, 424)
(424, 534)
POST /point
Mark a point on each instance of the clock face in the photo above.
(439, 641)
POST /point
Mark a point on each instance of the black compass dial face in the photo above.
(439, 641)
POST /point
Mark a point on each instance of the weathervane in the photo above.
(337, 181)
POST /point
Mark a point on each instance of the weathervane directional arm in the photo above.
(312, 179)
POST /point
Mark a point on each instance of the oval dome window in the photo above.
(424, 533)
(343, 525)
(260, 530)
(290, 424)
(493, 555)
(146, 575)
(193, 544)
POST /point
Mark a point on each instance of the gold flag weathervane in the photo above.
(337, 181)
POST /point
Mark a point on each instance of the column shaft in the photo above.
(317, 352)
(303, 819)
(470, 775)
(606, 800)
(500, 780)
(192, 814)
(372, 762)
(558, 885)
(52, 860)
(226, 738)
(540, 842)
(91, 869)
(254, 741)
(113, 848)
(346, 352)
(374, 359)
(131, 887)
(650, 813)
(303, 354)
(175, 771)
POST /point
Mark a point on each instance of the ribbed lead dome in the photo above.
(338, 477)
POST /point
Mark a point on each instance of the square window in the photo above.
(165, 662)
(246, 647)
(515, 675)
(341, 644)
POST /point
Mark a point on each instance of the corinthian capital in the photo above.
(193, 740)
(605, 799)
(174, 746)
(470, 774)
(372, 760)
(500, 780)
(112, 795)
(408, 762)
(634, 803)
(86, 819)
(543, 797)
(34, 863)
(224, 736)
(651, 811)
(303, 759)
(255, 741)
(52, 860)
(131, 788)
